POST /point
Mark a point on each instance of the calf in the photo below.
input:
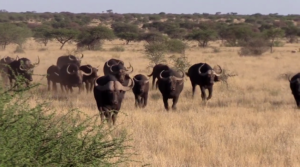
(53, 76)
(140, 90)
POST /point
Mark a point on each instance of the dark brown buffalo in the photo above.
(108, 96)
(170, 84)
(88, 80)
(68, 59)
(3, 67)
(157, 69)
(71, 76)
(53, 76)
(295, 88)
(117, 69)
(109, 63)
(140, 90)
(203, 75)
(21, 67)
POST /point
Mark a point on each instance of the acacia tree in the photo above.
(202, 36)
(93, 35)
(272, 34)
(43, 35)
(63, 35)
(127, 32)
(11, 33)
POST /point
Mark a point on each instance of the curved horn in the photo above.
(136, 80)
(56, 73)
(35, 64)
(88, 74)
(179, 79)
(199, 70)
(119, 86)
(4, 59)
(128, 68)
(17, 57)
(161, 76)
(107, 64)
(21, 68)
(108, 86)
(218, 74)
(68, 70)
(111, 70)
(71, 58)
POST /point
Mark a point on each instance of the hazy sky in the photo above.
(155, 6)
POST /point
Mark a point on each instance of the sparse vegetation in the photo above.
(252, 123)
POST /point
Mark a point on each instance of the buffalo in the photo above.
(108, 96)
(3, 67)
(68, 59)
(170, 84)
(203, 75)
(140, 90)
(89, 79)
(21, 67)
(71, 76)
(295, 88)
(53, 76)
(116, 67)
(157, 69)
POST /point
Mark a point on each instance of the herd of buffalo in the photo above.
(109, 90)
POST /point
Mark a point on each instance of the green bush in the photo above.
(37, 136)
(254, 47)
(155, 52)
(176, 46)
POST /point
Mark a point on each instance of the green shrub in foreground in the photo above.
(37, 136)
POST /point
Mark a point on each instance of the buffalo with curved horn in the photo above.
(170, 84)
(68, 59)
(21, 67)
(157, 69)
(88, 80)
(203, 75)
(108, 96)
(140, 90)
(116, 67)
(71, 76)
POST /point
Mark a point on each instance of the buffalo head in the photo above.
(114, 89)
(172, 80)
(140, 84)
(211, 73)
(120, 71)
(26, 68)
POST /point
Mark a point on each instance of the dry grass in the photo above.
(253, 123)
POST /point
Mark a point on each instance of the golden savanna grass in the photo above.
(252, 123)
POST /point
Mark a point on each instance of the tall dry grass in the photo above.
(252, 123)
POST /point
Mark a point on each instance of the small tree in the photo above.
(43, 35)
(255, 46)
(155, 52)
(272, 34)
(127, 32)
(63, 35)
(202, 36)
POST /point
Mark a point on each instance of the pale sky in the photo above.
(282, 7)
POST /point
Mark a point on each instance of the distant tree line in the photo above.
(89, 30)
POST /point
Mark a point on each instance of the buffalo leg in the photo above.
(165, 99)
(137, 100)
(175, 100)
(87, 86)
(153, 82)
(210, 91)
(54, 86)
(145, 100)
(62, 87)
(114, 118)
(193, 89)
(203, 94)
